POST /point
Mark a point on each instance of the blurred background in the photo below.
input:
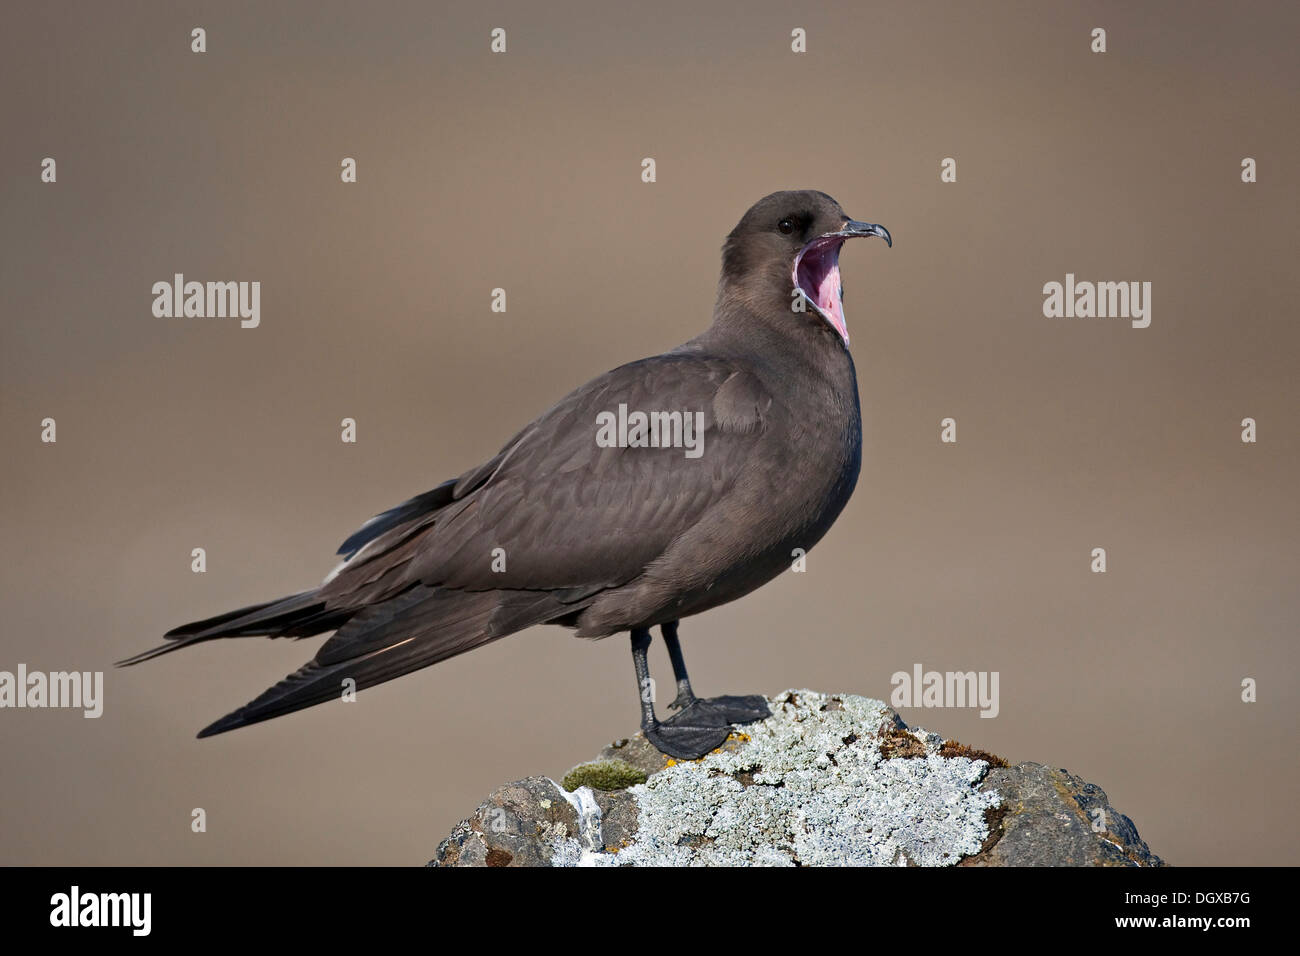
(522, 171)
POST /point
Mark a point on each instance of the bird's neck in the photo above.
(783, 341)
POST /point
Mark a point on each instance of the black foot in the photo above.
(680, 701)
(729, 710)
(683, 736)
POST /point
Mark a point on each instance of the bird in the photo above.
(619, 535)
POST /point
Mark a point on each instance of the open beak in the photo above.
(817, 271)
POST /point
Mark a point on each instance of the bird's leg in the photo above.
(685, 696)
(644, 686)
(680, 736)
(715, 710)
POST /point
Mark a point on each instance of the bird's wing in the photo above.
(426, 581)
(556, 511)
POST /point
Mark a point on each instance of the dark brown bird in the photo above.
(599, 520)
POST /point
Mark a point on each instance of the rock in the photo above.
(826, 780)
(1053, 818)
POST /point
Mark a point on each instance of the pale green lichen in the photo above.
(811, 787)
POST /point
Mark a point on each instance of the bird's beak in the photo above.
(817, 271)
(853, 228)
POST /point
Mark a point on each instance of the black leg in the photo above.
(681, 736)
(685, 696)
(640, 645)
(714, 710)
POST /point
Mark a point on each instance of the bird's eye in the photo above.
(786, 226)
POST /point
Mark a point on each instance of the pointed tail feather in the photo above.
(297, 615)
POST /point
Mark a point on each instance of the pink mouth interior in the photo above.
(817, 271)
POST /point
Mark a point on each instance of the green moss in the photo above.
(603, 775)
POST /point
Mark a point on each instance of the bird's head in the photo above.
(783, 258)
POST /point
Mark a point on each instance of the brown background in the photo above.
(522, 171)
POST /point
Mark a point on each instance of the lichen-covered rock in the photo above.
(826, 780)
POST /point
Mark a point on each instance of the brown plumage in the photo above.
(608, 539)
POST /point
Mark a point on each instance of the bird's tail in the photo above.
(420, 627)
(297, 615)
